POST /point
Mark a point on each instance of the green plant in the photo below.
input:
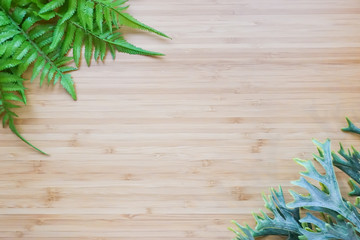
(41, 33)
(322, 214)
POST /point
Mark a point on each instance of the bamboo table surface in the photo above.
(176, 147)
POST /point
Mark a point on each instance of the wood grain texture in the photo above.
(176, 147)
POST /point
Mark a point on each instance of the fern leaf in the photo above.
(45, 73)
(10, 85)
(89, 14)
(12, 46)
(7, 35)
(39, 31)
(6, 77)
(72, 4)
(6, 117)
(97, 49)
(8, 63)
(21, 51)
(123, 18)
(30, 22)
(46, 16)
(99, 17)
(68, 40)
(51, 6)
(101, 12)
(6, 4)
(58, 34)
(108, 19)
(127, 20)
(18, 14)
(123, 46)
(88, 49)
(81, 12)
(16, 132)
(115, 20)
(12, 97)
(68, 84)
(68, 69)
(102, 49)
(36, 46)
(114, 41)
(4, 20)
(78, 41)
(29, 59)
(40, 63)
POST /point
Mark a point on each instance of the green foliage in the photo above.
(11, 94)
(40, 34)
(321, 214)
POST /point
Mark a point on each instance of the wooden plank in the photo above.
(176, 147)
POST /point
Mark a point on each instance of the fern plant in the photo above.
(40, 34)
(321, 214)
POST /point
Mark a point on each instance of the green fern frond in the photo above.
(11, 94)
(128, 20)
(121, 18)
(52, 5)
(99, 21)
(106, 12)
(76, 36)
(69, 12)
(30, 43)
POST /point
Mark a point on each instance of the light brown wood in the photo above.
(176, 147)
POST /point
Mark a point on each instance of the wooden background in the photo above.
(176, 147)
